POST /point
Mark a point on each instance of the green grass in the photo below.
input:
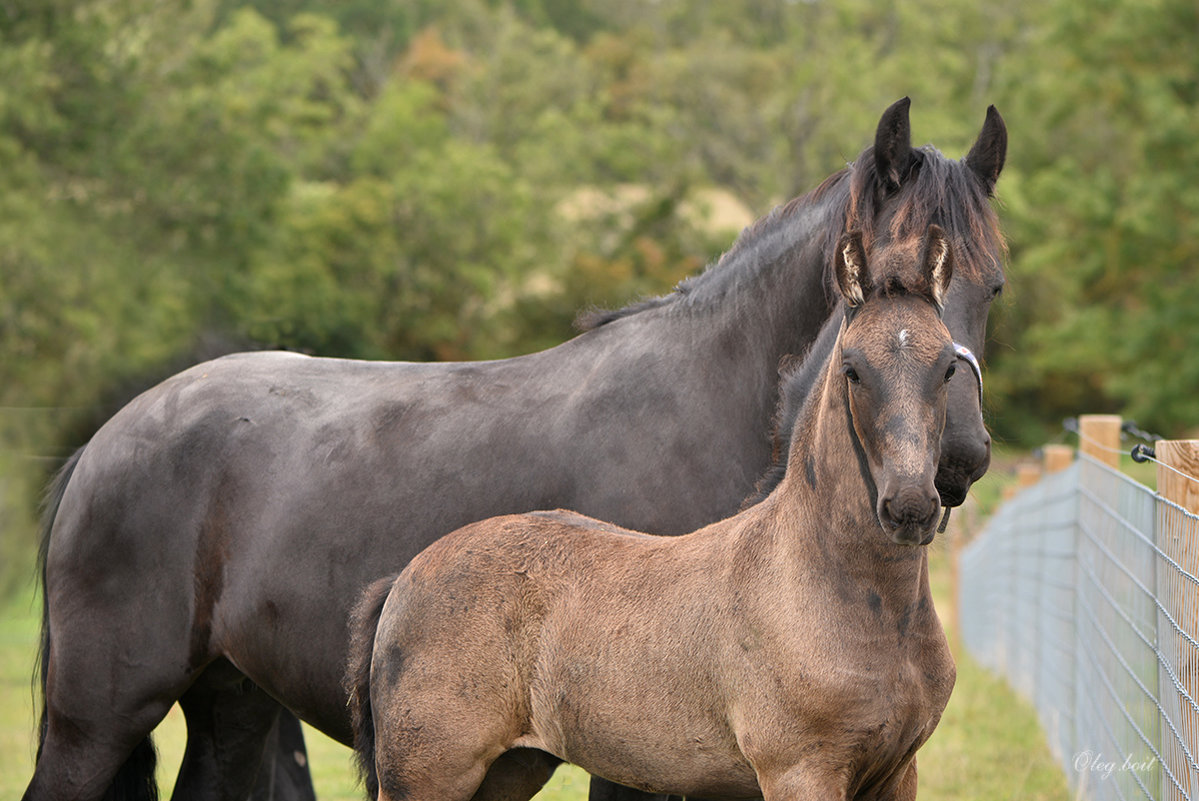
(988, 745)
(330, 761)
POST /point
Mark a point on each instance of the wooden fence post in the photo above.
(1027, 474)
(1181, 455)
(1178, 538)
(1099, 437)
(1057, 457)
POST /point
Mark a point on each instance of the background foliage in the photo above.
(454, 180)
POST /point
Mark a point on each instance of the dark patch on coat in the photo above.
(874, 602)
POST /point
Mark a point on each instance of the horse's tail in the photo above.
(136, 777)
(50, 504)
(363, 623)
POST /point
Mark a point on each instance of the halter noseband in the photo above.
(965, 354)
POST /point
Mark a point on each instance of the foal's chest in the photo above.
(898, 707)
(870, 696)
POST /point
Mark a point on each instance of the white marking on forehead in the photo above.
(903, 338)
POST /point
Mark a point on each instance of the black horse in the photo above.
(207, 545)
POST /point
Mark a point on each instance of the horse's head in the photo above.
(898, 191)
(897, 359)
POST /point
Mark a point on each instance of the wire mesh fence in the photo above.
(1082, 591)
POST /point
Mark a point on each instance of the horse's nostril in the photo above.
(934, 510)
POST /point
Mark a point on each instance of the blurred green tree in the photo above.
(454, 180)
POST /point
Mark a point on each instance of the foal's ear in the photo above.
(893, 145)
(849, 263)
(987, 156)
(937, 264)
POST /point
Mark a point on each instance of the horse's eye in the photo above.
(949, 373)
(851, 374)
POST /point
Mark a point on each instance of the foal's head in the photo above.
(896, 358)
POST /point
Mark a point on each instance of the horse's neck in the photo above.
(767, 295)
(828, 487)
(731, 327)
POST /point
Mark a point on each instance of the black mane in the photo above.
(937, 190)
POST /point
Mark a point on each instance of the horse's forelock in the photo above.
(938, 191)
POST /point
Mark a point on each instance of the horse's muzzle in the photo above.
(962, 463)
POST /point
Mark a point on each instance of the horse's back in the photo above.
(511, 572)
(256, 428)
(186, 503)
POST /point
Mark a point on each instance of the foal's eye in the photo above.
(949, 373)
(851, 374)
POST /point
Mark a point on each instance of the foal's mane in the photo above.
(936, 190)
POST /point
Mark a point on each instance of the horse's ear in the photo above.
(893, 145)
(850, 266)
(987, 156)
(938, 264)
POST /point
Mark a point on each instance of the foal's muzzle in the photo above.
(910, 516)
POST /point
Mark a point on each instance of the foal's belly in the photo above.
(633, 728)
(639, 755)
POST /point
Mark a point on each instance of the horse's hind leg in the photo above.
(97, 743)
(428, 747)
(284, 775)
(68, 768)
(233, 743)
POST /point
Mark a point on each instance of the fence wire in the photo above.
(1082, 591)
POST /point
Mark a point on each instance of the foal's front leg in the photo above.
(803, 782)
(905, 790)
(807, 782)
